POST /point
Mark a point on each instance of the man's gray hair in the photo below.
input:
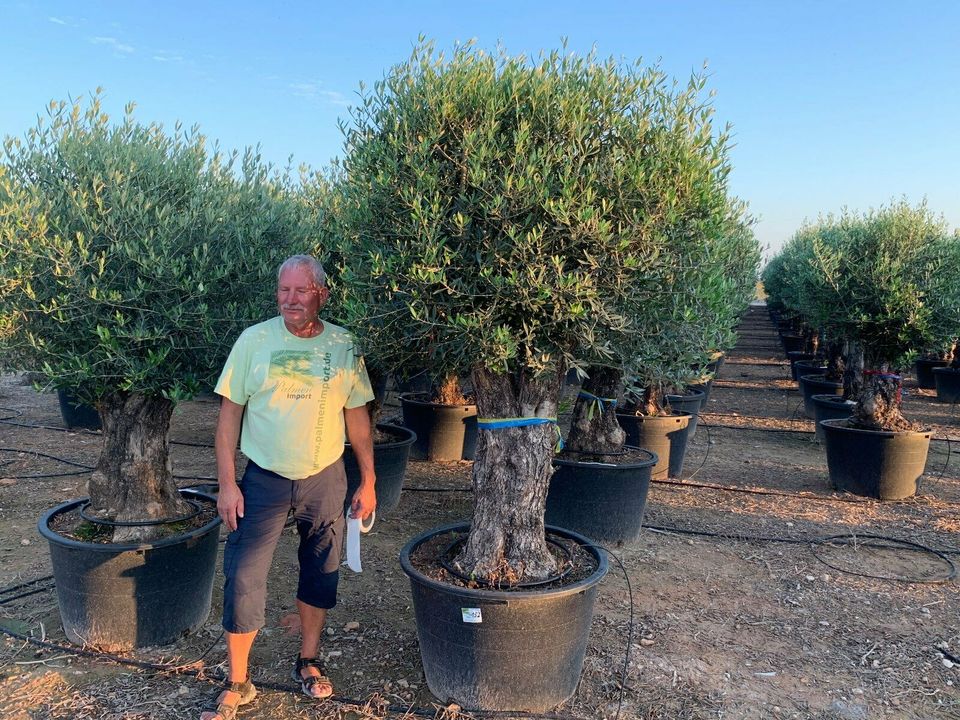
(306, 262)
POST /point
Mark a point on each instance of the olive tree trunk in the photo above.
(878, 407)
(511, 475)
(836, 366)
(133, 478)
(594, 428)
(852, 370)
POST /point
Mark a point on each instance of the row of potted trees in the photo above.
(494, 218)
(876, 289)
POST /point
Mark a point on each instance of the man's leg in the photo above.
(311, 627)
(238, 652)
(246, 563)
(319, 515)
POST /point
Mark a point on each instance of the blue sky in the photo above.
(833, 104)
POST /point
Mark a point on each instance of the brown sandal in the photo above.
(308, 683)
(228, 711)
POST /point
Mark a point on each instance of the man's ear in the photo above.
(323, 294)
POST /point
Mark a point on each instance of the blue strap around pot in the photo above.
(599, 404)
(501, 423)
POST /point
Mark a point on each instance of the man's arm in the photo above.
(230, 499)
(360, 435)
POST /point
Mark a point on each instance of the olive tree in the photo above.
(130, 259)
(505, 217)
(888, 283)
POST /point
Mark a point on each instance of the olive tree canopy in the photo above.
(508, 217)
(130, 259)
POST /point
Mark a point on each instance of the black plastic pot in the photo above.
(444, 432)
(924, 368)
(603, 501)
(390, 464)
(811, 385)
(792, 343)
(76, 414)
(664, 435)
(795, 356)
(948, 384)
(877, 464)
(806, 367)
(705, 388)
(502, 651)
(830, 407)
(690, 401)
(120, 596)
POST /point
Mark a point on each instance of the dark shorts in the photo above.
(317, 504)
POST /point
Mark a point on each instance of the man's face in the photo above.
(299, 297)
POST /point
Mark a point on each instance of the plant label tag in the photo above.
(472, 615)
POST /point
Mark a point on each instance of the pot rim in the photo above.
(834, 425)
(410, 439)
(944, 370)
(813, 378)
(411, 397)
(658, 418)
(687, 394)
(652, 460)
(832, 399)
(53, 537)
(502, 596)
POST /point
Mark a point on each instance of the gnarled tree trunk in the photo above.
(594, 428)
(835, 362)
(133, 479)
(878, 407)
(852, 370)
(511, 475)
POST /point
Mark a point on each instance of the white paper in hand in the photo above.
(355, 526)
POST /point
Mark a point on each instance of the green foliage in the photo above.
(888, 279)
(130, 259)
(525, 215)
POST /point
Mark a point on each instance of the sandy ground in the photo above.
(726, 625)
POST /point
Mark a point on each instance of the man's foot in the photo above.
(234, 695)
(313, 681)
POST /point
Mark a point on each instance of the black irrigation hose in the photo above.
(6, 421)
(939, 553)
(905, 543)
(85, 468)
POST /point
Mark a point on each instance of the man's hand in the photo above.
(230, 504)
(230, 500)
(364, 501)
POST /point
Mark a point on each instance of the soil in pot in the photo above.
(604, 501)
(947, 382)
(391, 450)
(502, 650)
(664, 435)
(444, 432)
(116, 597)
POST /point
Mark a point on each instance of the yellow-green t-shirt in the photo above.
(295, 390)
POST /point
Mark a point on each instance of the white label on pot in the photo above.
(472, 615)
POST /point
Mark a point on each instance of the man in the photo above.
(295, 383)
